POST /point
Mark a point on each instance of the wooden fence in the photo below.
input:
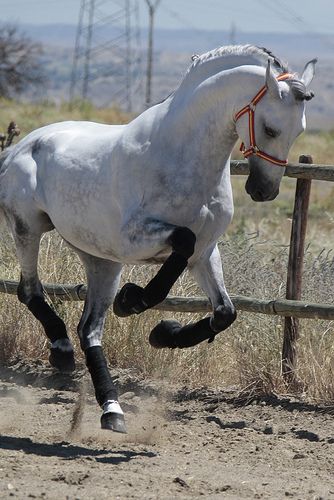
(291, 308)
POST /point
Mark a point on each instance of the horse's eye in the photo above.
(270, 132)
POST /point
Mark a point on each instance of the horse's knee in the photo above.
(183, 241)
(223, 317)
(28, 289)
(90, 331)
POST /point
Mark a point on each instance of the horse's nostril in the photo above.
(257, 196)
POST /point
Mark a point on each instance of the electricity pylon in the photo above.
(107, 51)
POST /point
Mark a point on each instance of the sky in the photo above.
(301, 16)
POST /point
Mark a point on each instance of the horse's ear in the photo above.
(272, 83)
(309, 72)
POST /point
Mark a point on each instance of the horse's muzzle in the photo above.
(259, 195)
(260, 191)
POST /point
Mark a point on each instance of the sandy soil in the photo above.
(181, 443)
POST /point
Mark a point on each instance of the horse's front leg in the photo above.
(133, 299)
(102, 280)
(208, 273)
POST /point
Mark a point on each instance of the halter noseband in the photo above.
(250, 109)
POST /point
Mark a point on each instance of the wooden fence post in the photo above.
(294, 276)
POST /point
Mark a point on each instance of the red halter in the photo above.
(250, 109)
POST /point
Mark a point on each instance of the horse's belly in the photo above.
(90, 235)
(106, 228)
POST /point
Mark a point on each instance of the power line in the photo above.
(106, 46)
(288, 14)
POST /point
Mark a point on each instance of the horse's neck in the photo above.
(200, 126)
(199, 73)
(191, 135)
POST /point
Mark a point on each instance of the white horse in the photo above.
(155, 190)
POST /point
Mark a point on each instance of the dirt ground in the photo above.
(180, 443)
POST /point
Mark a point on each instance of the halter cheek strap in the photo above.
(250, 109)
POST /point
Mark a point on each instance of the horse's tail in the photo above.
(3, 157)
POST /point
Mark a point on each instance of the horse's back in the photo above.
(55, 148)
(56, 167)
(86, 136)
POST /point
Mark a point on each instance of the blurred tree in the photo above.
(20, 63)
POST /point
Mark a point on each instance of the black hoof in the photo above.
(62, 360)
(129, 300)
(223, 317)
(113, 422)
(164, 334)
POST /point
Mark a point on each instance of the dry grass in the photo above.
(31, 116)
(246, 355)
(254, 253)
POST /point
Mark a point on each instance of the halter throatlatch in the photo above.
(250, 109)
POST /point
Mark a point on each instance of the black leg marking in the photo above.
(183, 241)
(172, 334)
(105, 391)
(61, 351)
(62, 357)
(54, 327)
(129, 300)
(97, 366)
(135, 299)
(223, 317)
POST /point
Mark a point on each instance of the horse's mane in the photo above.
(228, 57)
(231, 56)
(259, 54)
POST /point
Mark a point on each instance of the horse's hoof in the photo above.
(113, 422)
(129, 300)
(164, 334)
(62, 360)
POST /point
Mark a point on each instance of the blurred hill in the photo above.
(173, 49)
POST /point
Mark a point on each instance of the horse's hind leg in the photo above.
(103, 279)
(209, 275)
(30, 293)
(135, 299)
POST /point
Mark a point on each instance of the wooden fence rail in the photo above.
(278, 307)
(293, 170)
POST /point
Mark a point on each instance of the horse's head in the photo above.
(269, 125)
